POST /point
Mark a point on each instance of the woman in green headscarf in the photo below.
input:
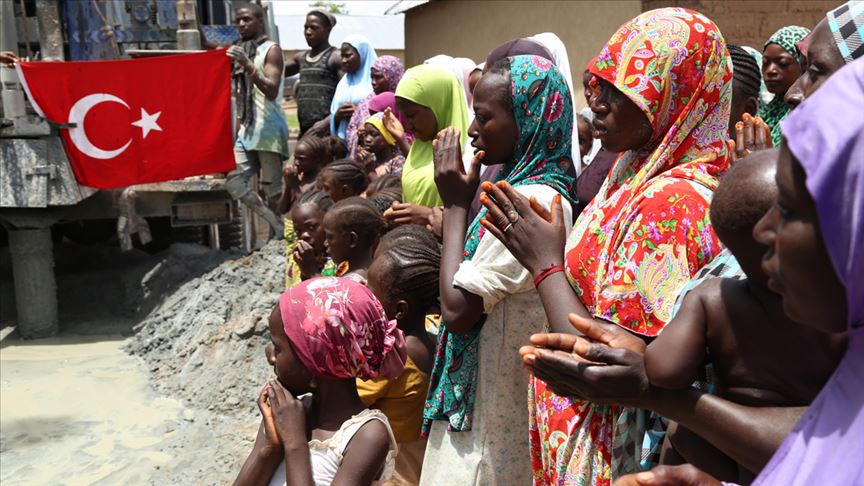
(431, 99)
(476, 413)
(781, 66)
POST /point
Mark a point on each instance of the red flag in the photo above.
(138, 120)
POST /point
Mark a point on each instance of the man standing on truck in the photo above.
(320, 70)
(262, 140)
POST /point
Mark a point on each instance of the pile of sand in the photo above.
(205, 342)
(204, 345)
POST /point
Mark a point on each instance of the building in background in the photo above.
(385, 33)
(473, 28)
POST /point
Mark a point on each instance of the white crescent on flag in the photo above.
(100, 100)
(77, 134)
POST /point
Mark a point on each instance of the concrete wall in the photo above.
(473, 28)
(751, 22)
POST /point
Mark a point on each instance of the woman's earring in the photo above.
(313, 384)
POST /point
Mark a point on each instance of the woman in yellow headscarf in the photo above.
(431, 99)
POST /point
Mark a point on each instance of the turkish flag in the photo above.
(138, 120)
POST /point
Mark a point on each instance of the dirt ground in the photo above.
(154, 376)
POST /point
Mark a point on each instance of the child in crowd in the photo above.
(342, 179)
(385, 191)
(309, 257)
(585, 140)
(739, 326)
(325, 333)
(404, 277)
(310, 155)
(385, 182)
(381, 145)
(352, 228)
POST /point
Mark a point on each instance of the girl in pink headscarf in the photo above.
(386, 73)
(326, 333)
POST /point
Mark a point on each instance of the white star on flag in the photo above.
(148, 122)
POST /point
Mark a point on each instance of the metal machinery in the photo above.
(37, 186)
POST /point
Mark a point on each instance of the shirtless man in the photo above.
(319, 68)
(788, 363)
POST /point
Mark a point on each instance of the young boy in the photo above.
(722, 317)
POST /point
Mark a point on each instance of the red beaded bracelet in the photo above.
(546, 272)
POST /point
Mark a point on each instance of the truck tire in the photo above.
(231, 234)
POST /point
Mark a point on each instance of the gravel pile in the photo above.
(204, 343)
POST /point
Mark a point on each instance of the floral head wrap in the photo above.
(787, 37)
(338, 329)
(391, 68)
(543, 109)
(674, 65)
(647, 230)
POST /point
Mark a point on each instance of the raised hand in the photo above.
(407, 213)
(307, 259)
(268, 435)
(534, 236)
(393, 125)
(291, 175)
(344, 112)
(454, 185)
(436, 222)
(289, 415)
(605, 365)
(8, 59)
(237, 55)
(751, 135)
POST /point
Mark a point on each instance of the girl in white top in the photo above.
(325, 333)
(476, 414)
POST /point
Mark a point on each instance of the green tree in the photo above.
(332, 7)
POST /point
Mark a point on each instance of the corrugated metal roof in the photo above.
(384, 32)
(403, 6)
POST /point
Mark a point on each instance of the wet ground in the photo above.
(79, 410)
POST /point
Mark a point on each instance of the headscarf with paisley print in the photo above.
(647, 230)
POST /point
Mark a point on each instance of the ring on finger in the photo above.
(507, 228)
(513, 215)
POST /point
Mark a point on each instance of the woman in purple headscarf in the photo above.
(386, 73)
(816, 263)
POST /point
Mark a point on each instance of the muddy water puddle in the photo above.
(79, 410)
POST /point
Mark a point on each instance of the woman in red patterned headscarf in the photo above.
(663, 86)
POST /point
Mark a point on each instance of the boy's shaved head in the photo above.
(745, 194)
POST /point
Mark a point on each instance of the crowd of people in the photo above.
(486, 286)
